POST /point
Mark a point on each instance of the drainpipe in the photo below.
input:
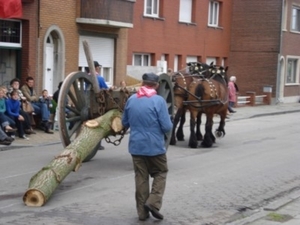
(278, 80)
(38, 46)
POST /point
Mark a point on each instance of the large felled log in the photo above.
(43, 183)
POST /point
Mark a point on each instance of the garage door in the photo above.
(102, 50)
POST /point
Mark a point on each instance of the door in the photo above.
(48, 74)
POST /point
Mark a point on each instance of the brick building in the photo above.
(257, 39)
(50, 40)
(264, 48)
(168, 35)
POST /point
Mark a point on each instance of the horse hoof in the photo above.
(219, 134)
(194, 145)
(206, 145)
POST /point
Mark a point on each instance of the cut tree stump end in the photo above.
(34, 197)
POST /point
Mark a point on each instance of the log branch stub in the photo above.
(92, 123)
(116, 124)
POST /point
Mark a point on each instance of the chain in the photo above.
(114, 101)
(101, 101)
(117, 141)
(102, 108)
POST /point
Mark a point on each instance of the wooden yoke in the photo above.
(90, 62)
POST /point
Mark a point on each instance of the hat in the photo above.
(96, 64)
(150, 77)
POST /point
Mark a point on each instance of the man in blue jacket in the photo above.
(102, 84)
(146, 115)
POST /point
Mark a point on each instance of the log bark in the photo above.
(44, 182)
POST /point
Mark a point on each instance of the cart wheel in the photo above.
(76, 89)
(165, 90)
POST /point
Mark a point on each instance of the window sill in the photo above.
(187, 23)
(154, 18)
(295, 32)
(291, 84)
(215, 27)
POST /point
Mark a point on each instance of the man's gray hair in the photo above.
(232, 78)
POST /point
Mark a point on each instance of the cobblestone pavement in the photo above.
(285, 211)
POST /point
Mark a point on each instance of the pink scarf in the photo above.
(146, 91)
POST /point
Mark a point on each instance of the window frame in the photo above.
(142, 59)
(154, 9)
(213, 13)
(295, 19)
(19, 33)
(181, 12)
(295, 70)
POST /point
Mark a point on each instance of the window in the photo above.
(185, 11)
(141, 59)
(151, 8)
(292, 71)
(296, 19)
(10, 33)
(213, 14)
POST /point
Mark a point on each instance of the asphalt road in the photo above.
(256, 163)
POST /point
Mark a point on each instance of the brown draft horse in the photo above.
(182, 81)
(209, 96)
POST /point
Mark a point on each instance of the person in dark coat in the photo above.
(147, 116)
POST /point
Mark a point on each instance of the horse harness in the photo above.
(213, 91)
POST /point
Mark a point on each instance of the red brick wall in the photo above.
(29, 35)
(62, 14)
(255, 43)
(168, 36)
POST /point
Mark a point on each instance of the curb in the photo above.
(264, 211)
(12, 147)
(274, 113)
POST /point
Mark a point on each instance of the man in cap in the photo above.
(100, 79)
(147, 116)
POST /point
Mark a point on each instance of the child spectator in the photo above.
(14, 86)
(46, 99)
(13, 111)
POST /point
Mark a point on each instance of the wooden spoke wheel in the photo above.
(165, 90)
(74, 102)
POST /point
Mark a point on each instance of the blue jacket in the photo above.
(149, 121)
(101, 82)
(13, 107)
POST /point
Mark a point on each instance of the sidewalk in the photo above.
(286, 210)
(39, 139)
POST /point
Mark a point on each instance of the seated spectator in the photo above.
(4, 139)
(45, 98)
(13, 111)
(6, 122)
(14, 86)
(40, 108)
